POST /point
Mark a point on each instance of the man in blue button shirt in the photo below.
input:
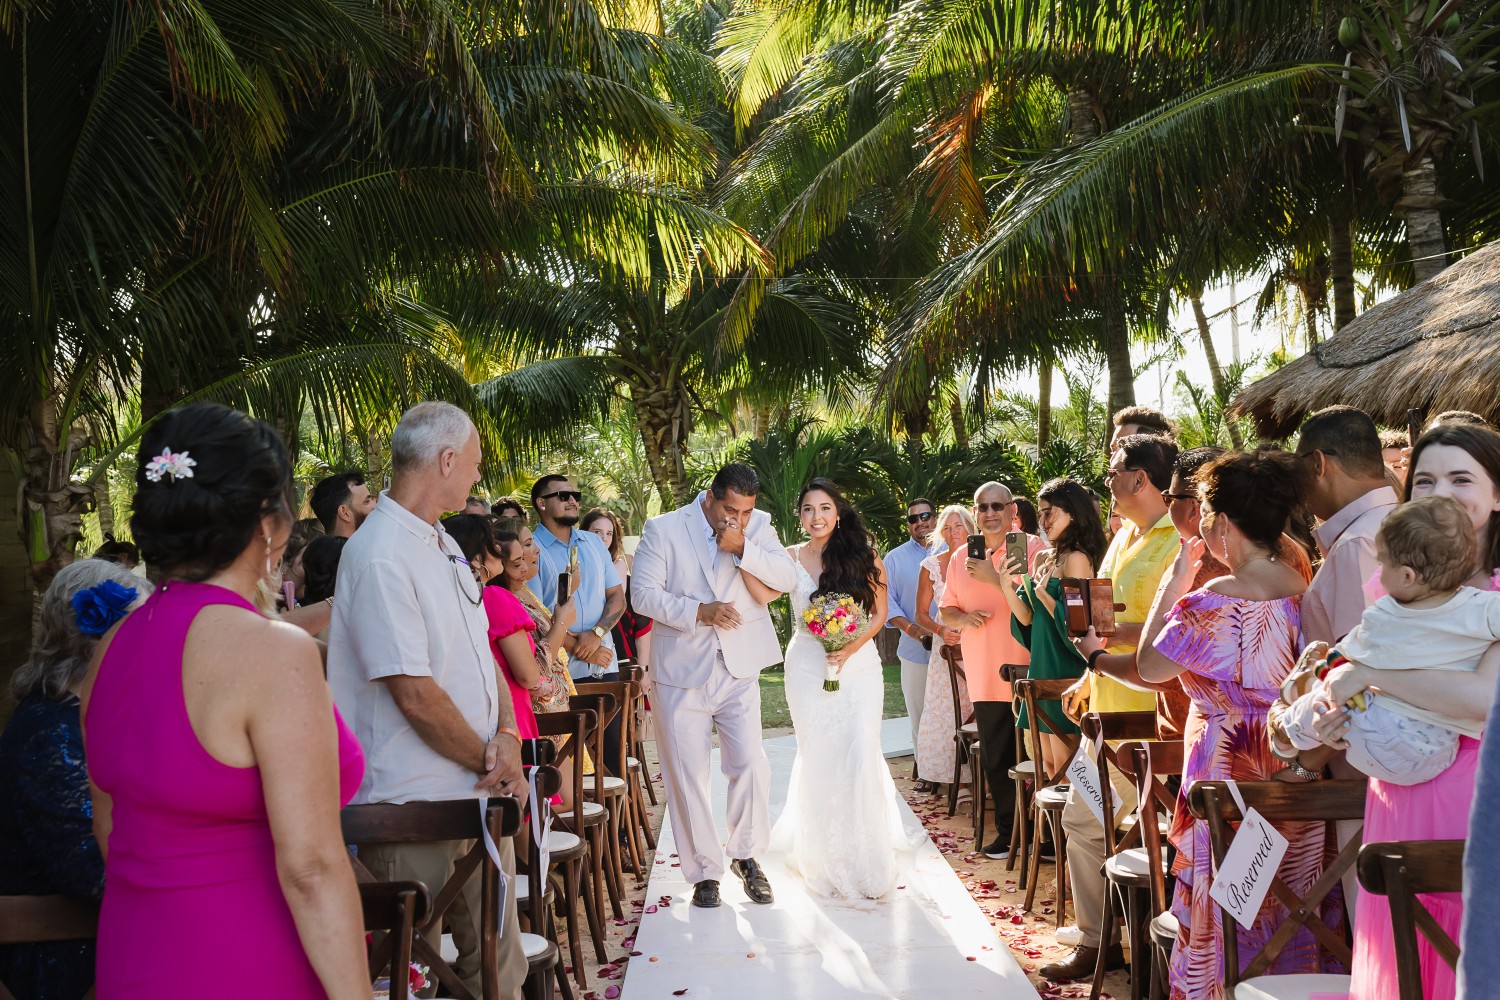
(598, 594)
(903, 569)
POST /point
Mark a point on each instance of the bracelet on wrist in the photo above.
(1094, 656)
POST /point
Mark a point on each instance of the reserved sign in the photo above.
(1083, 772)
(1249, 865)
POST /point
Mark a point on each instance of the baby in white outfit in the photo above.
(1428, 620)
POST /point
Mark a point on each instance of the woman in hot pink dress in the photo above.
(218, 759)
(1231, 643)
(1461, 462)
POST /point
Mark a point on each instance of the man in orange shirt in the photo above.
(974, 603)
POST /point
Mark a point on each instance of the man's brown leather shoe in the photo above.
(1080, 964)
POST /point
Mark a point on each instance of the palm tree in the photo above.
(217, 214)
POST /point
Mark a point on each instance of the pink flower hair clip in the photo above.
(176, 464)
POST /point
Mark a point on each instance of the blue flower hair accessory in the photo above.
(99, 607)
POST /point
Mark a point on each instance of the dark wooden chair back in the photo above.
(604, 706)
(1010, 673)
(430, 822)
(1034, 692)
(1400, 871)
(1100, 729)
(1279, 801)
(953, 657)
(1155, 762)
(574, 727)
(615, 700)
(396, 908)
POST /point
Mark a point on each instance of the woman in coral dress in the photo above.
(1231, 643)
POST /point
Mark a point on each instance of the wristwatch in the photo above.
(599, 631)
(1295, 766)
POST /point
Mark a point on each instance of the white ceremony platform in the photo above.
(928, 940)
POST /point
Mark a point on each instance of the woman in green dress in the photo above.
(1070, 521)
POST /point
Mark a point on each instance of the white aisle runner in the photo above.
(928, 940)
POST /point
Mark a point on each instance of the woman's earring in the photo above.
(270, 570)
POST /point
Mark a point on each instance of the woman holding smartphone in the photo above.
(1069, 520)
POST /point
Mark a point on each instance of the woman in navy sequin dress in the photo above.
(46, 821)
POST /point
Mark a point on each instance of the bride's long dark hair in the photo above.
(849, 555)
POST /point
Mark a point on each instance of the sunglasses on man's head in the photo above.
(924, 517)
(985, 508)
(563, 495)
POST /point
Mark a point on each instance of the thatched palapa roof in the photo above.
(1434, 347)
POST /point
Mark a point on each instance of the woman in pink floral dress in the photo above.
(1231, 643)
(934, 749)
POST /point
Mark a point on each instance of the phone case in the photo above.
(1015, 548)
(1089, 603)
(976, 547)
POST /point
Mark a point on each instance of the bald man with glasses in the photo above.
(974, 602)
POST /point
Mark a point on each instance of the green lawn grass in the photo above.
(774, 713)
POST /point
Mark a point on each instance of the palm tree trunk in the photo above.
(1215, 370)
(1043, 404)
(960, 425)
(1424, 221)
(664, 424)
(1117, 354)
(1309, 314)
(1341, 267)
(52, 501)
(104, 506)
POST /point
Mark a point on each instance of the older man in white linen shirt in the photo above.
(411, 669)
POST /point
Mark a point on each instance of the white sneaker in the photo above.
(1069, 936)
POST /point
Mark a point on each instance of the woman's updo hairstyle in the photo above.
(1256, 490)
(191, 527)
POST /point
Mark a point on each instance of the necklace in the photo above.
(1247, 562)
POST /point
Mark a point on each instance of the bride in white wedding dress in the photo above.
(844, 821)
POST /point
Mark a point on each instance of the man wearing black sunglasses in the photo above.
(598, 591)
(903, 569)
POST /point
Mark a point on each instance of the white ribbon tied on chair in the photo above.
(493, 850)
(1253, 858)
(1083, 772)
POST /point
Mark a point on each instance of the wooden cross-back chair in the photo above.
(1156, 762)
(637, 773)
(1400, 871)
(395, 908)
(539, 941)
(601, 818)
(573, 850)
(35, 919)
(618, 793)
(1126, 872)
(1282, 802)
(965, 742)
(1050, 796)
(431, 822)
(1023, 777)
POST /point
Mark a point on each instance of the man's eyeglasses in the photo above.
(923, 517)
(563, 495)
(985, 508)
(1179, 496)
(1111, 474)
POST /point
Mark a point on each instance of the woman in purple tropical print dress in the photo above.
(1231, 643)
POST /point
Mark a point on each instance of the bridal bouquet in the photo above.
(835, 620)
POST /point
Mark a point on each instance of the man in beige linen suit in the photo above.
(705, 573)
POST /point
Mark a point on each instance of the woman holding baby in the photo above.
(1460, 463)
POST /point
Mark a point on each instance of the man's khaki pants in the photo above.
(1086, 858)
(432, 864)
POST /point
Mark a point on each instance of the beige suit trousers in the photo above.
(1086, 858)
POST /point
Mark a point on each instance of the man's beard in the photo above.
(567, 520)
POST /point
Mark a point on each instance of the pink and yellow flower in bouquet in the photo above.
(835, 620)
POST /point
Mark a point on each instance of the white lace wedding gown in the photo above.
(844, 821)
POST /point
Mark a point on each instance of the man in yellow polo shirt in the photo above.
(1143, 550)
